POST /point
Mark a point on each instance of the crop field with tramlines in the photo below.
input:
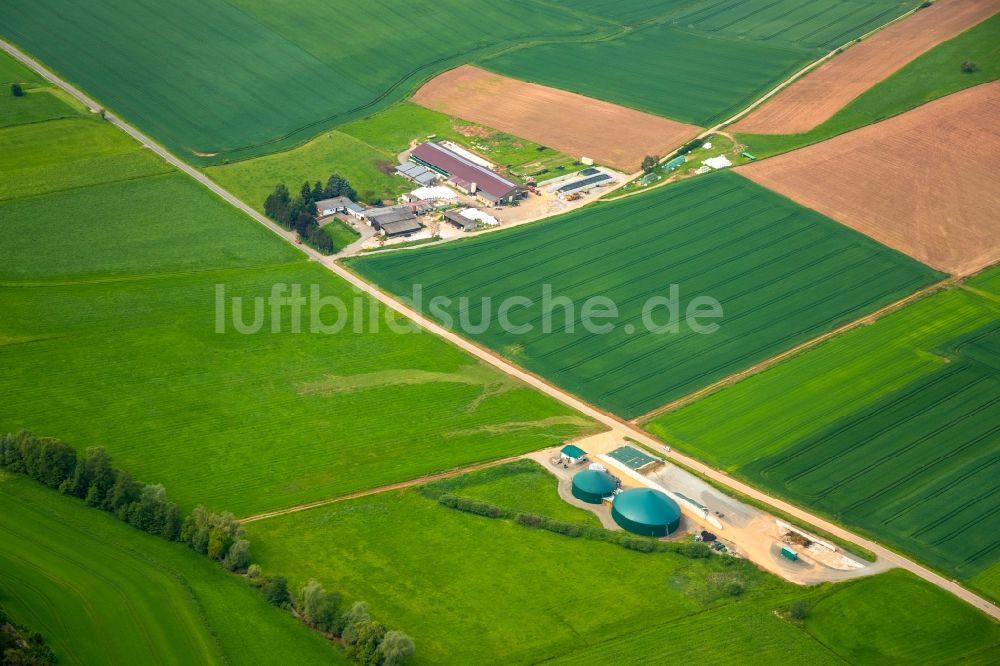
(702, 62)
(893, 428)
(822, 25)
(781, 273)
(920, 467)
(219, 80)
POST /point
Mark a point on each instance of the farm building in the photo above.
(393, 221)
(571, 453)
(455, 219)
(466, 175)
(646, 511)
(419, 174)
(327, 207)
(593, 485)
(598, 180)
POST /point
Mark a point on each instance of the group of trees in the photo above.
(97, 482)
(19, 646)
(217, 535)
(220, 536)
(649, 163)
(16, 90)
(299, 214)
(368, 642)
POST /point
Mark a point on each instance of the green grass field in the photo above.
(472, 589)
(102, 592)
(782, 274)
(40, 101)
(341, 234)
(222, 80)
(45, 157)
(704, 61)
(366, 153)
(933, 75)
(892, 428)
(109, 337)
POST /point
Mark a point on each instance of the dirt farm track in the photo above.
(813, 99)
(924, 182)
(612, 135)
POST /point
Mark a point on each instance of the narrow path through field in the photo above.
(609, 420)
(420, 480)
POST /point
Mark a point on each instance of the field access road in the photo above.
(624, 428)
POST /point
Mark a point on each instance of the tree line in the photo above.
(299, 214)
(219, 536)
(690, 549)
(367, 642)
(94, 479)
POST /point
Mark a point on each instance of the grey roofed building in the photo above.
(465, 224)
(427, 178)
(401, 227)
(393, 220)
(582, 183)
(335, 205)
(417, 173)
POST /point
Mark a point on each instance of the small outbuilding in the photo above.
(592, 486)
(572, 453)
(646, 511)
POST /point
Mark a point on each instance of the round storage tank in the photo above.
(592, 485)
(646, 511)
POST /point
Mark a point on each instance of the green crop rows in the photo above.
(215, 79)
(705, 61)
(920, 467)
(659, 69)
(893, 428)
(782, 274)
(822, 25)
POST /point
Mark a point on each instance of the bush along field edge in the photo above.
(218, 536)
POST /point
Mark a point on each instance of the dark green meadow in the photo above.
(781, 273)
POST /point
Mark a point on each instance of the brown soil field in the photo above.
(924, 182)
(574, 124)
(817, 96)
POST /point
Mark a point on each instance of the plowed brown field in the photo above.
(924, 182)
(817, 96)
(574, 124)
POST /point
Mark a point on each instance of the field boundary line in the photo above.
(400, 485)
(794, 351)
(615, 423)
